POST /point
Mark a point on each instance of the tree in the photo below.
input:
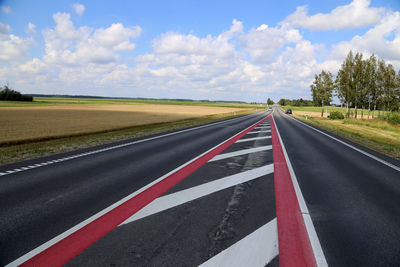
(344, 84)
(270, 102)
(6, 93)
(282, 102)
(321, 89)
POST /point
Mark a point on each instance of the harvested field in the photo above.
(22, 124)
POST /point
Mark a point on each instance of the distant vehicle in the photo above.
(269, 108)
(288, 111)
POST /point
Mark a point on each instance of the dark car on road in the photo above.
(288, 111)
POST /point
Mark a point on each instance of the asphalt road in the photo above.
(353, 199)
(38, 204)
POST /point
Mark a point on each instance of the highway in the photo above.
(204, 196)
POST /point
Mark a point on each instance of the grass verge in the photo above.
(377, 135)
(19, 152)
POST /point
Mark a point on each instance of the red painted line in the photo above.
(67, 248)
(294, 244)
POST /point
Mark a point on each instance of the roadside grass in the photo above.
(376, 134)
(316, 111)
(23, 151)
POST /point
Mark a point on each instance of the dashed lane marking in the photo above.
(181, 197)
(252, 139)
(240, 152)
(257, 249)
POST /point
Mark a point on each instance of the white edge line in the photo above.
(312, 234)
(70, 231)
(132, 143)
(348, 145)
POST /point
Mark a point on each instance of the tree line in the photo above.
(296, 102)
(6, 93)
(367, 84)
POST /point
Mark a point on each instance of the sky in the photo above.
(204, 49)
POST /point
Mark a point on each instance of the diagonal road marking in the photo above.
(252, 139)
(181, 197)
(240, 152)
(267, 131)
(257, 249)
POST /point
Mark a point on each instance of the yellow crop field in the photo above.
(43, 122)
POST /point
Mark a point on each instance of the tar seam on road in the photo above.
(110, 148)
(348, 145)
(312, 235)
(39, 251)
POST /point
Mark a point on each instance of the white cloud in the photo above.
(266, 61)
(382, 40)
(12, 47)
(264, 42)
(67, 45)
(30, 28)
(79, 9)
(354, 15)
(4, 29)
(6, 9)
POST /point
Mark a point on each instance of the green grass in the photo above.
(332, 108)
(375, 134)
(20, 152)
(53, 101)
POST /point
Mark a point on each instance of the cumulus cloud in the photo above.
(264, 42)
(354, 15)
(67, 45)
(276, 61)
(12, 47)
(30, 28)
(6, 9)
(79, 9)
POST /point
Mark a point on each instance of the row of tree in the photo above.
(360, 83)
(296, 102)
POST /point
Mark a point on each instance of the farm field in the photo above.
(37, 123)
(374, 133)
(58, 125)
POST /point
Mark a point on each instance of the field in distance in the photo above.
(59, 117)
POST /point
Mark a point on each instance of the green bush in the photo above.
(394, 118)
(336, 115)
(11, 95)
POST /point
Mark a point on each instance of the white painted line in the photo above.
(348, 145)
(257, 249)
(181, 197)
(312, 234)
(70, 231)
(252, 139)
(135, 142)
(2, 173)
(240, 152)
(267, 131)
(263, 127)
(9, 172)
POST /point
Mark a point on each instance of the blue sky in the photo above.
(218, 50)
